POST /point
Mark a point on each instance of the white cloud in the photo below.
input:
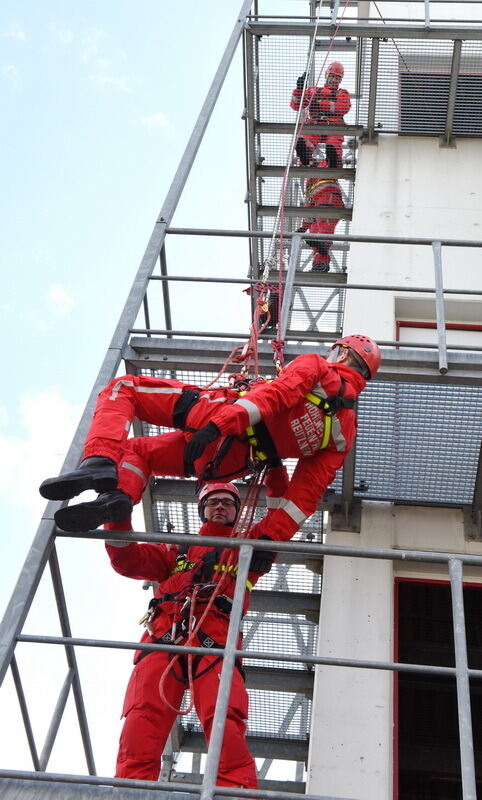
(60, 300)
(46, 423)
(14, 31)
(3, 416)
(12, 74)
(110, 82)
(60, 33)
(157, 120)
(90, 44)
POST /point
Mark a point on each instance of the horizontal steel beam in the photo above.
(305, 211)
(408, 240)
(288, 128)
(361, 31)
(310, 278)
(299, 681)
(401, 364)
(306, 172)
(268, 785)
(272, 601)
(285, 749)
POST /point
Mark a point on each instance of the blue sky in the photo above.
(98, 100)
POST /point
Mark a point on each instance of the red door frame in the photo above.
(398, 580)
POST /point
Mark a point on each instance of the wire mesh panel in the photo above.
(418, 443)
(412, 93)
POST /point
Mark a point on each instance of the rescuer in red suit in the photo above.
(321, 193)
(186, 580)
(326, 106)
(307, 413)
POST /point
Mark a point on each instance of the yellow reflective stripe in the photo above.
(183, 566)
(313, 398)
(318, 401)
(253, 441)
(232, 569)
(326, 432)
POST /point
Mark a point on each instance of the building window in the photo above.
(426, 722)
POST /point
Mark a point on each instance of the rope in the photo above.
(277, 343)
(241, 529)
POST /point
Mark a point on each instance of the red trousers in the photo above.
(314, 139)
(325, 197)
(149, 721)
(152, 400)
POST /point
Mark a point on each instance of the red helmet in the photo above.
(210, 488)
(335, 68)
(364, 347)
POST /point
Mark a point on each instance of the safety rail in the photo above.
(461, 672)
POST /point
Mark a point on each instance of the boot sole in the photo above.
(64, 488)
(87, 516)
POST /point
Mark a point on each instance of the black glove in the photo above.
(301, 81)
(301, 229)
(274, 461)
(199, 441)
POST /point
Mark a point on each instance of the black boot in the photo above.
(110, 507)
(96, 473)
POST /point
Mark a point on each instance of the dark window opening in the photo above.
(428, 740)
(424, 102)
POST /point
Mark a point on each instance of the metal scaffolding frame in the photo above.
(418, 363)
(461, 672)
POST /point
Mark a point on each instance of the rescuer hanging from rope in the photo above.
(307, 413)
(321, 193)
(187, 600)
(326, 106)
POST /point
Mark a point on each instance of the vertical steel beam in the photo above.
(454, 76)
(165, 290)
(56, 720)
(250, 134)
(147, 320)
(71, 661)
(439, 306)
(372, 98)
(334, 11)
(219, 721)
(462, 680)
(25, 715)
(288, 289)
(427, 13)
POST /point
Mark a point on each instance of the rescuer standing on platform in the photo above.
(307, 413)
(326, 106)
(321, 192)
(187, 580)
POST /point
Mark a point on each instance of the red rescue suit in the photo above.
(296, 427)
(148, 719)
(322, 192)
(325, 107)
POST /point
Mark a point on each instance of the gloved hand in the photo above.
(274, 461)
(301, 81)
(301, 229)
(200, 440)
(324, 105)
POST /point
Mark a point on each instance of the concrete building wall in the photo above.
(351, 749)
(410, 186)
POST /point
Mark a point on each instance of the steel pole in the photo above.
(214, 749)
(439, 306)
(288, 290)
(462, 680)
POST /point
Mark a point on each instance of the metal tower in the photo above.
(396, 71)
